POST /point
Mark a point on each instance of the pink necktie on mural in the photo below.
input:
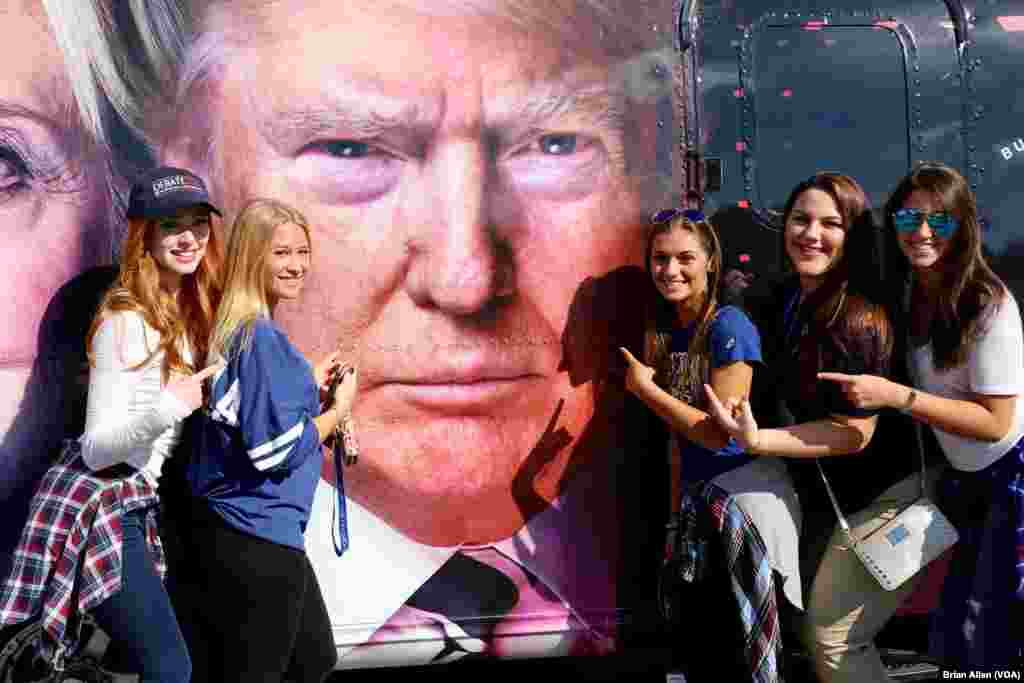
(481, 603)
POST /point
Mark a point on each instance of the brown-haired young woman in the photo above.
(821, 319)
(690, 341)
(967, 365)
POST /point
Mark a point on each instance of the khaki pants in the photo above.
(847, 608)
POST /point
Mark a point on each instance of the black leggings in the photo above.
(250, 610)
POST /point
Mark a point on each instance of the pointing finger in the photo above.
(713, 397)
(207, 372)
(837, 377)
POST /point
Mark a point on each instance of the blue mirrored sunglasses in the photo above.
(666, 215)
(909, 220)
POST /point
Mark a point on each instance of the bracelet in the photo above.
(905, 408)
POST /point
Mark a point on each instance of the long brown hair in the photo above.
(188, 317)
(849, 303)
(661, 315)
(969, 287)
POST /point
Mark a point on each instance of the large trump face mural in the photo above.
(476, 174)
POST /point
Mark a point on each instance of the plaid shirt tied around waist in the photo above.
(753, 585)
(706, 508)
(68, 559)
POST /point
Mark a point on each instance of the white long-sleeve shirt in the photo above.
(130, 417)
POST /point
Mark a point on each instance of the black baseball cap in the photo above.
(164, 190)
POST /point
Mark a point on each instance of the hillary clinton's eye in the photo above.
(27, 163)
(14, 172)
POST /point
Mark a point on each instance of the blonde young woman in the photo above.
(91, 542)
(258, 612)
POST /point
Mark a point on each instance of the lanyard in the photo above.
(339, 527)
(791, 320)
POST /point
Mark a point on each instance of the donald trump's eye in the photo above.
(558, 143)
(348, 171)
(347, 149)
(561, 166)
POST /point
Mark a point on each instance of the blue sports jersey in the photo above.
(257, 458)
(732, 338)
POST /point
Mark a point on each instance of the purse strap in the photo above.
(832, 496)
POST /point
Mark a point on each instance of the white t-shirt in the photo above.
(129, 416)
(995, 367)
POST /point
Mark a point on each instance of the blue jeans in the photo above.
(139, 618)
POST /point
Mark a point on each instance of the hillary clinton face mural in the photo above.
(56, 222)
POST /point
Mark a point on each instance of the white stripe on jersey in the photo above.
(267, 450)
(226, 409)
(273, 460)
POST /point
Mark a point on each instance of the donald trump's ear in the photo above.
(186, 140)
(185, 133)
(184, 148)
(184, 151)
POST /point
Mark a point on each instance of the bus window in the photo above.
(789, 88)
(828, 99)
(994, 116)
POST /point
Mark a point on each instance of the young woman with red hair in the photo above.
(91, 544)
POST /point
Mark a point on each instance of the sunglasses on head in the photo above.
(942, 223)
(666, 215)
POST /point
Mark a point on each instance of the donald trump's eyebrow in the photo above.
(551, 104)
(362, 112)
(356, 112)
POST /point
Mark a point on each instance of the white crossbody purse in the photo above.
(908, 542)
